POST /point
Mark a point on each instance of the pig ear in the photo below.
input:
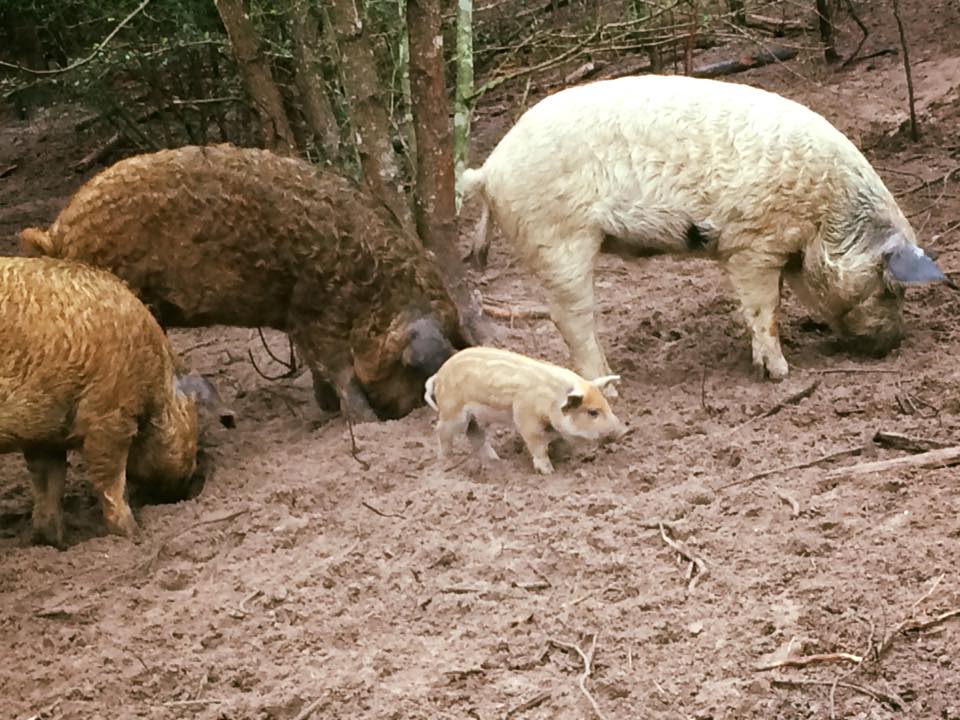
(574, 399)
(601, 382)
(197, 386)
(907, 263)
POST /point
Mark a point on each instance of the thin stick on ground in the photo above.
(940, 458)
(530, 704)
(796, 466)
(700, 565)
(381, 513)
(907, 625)
(148, 565)
(889, 700)
(354, 450)
(789, 400)
(587, 659)
(511, 314)
(811, 659)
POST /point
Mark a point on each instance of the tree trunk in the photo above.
(739, 11)
(306, 62)
(367, 109)
(435, 209)
(461, 110)
(257, 77)
(825, 22)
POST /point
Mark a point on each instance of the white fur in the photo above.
(641, 159)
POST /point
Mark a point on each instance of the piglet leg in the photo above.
(479, 442)
(537, 438)
(756, 281)
(48, 470)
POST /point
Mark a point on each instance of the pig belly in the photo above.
(486, 415)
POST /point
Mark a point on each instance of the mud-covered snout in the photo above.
(427, 346)
(875, 326)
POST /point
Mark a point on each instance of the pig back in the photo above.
(224, 235)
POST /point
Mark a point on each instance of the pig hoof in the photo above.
(610, 391)
(777, 369)
(47, 535)
(488, 454)
(543, 467)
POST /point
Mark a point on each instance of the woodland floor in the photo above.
(391, 587)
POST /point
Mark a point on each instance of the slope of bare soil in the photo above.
(306, 581)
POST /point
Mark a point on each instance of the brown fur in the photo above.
(84, 365)
(243, 237)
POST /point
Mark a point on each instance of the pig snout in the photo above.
(428, 348)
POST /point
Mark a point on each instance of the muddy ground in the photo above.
(304, 581)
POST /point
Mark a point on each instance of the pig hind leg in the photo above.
(756, 281)
(479, 441)
(448, 428)
(566, 269)
(48, 470)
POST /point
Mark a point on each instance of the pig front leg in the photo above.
(105, 451)
(536, 436)
(756, 282)
(331, 364)
(48, 471)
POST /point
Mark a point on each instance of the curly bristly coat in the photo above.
(83, 364)
(652, 164)
(244, 237)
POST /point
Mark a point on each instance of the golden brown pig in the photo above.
(84, 365)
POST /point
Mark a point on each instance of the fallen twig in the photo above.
(810, 659)
(789, 400)
(290, 365)
(701, 566)
(891, 701)
(354, 450)
(530, 704)
(511, 314)
(789, 500)
(829, 371)
(796, 466)
(240, 611)
(370, 507)
(176, 703)
(587, 659)
(757, 59)
(148, 565)
(899, 441)
(940, 458)
(310, 709)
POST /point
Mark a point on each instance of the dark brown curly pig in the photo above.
(243, 237)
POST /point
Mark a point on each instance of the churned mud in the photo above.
(306, 580)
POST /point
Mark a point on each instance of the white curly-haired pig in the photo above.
(482, 385)
(670, 164)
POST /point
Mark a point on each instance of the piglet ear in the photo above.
(574, 399)
(907, 263)
(601, 382)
